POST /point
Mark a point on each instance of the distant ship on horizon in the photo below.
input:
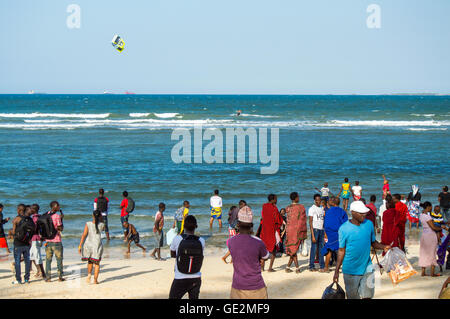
(33, 92)
(127, 92)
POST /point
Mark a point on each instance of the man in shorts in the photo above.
(216, 209)
(356, 237)
(158, 232)
(36, 244)
(131, 235)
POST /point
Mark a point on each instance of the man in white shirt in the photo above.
(216, 209)
(357, 191)
(186, 282)
(316, 215)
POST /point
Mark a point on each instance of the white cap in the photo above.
(245, 214)
(358, 207)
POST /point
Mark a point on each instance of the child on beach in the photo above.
(158, 232)
(131, 234)
(325, 191)
(3, 241)
(386, 190)
(438, 221)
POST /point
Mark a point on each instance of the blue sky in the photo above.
(229, 47)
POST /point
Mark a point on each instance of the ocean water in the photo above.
(65, 147)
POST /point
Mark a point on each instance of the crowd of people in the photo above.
(335, 238)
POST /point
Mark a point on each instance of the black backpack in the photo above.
(25, 230)
(130, 206)
(102, 204)
(190, 255)
(45, 226)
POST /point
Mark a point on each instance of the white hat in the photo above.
(359, 207)
(245, 215)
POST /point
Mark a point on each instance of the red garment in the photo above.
(372, 207)
(124, 205)
(400, 222)
(371, 215)
(270, 223)
(389, 232)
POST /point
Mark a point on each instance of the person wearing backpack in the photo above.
(188, 251)
(22, 238)
(101, 204)
(126, 207)
(36, 243)
(54, 245)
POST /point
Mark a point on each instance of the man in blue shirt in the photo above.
(356, 237)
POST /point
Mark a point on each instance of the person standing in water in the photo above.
(357, 191)
(345, 193)
(131, 234)
(179, 217)
(216, 209)
(91, 247)
(158, 232)
(386, 190)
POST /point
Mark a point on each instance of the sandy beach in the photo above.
(143, 277)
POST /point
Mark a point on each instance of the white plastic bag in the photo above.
(304, 249)
(396, 264)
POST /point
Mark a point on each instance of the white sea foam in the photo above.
(427, 129)
(165, 115)
(382, 123)
(60, 115)
(139, 114)
(148, 123)
(425, 115)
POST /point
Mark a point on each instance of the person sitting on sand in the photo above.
(428, 241)
(296, 230)
(91, 247)
(216, 209)
(158, 232)
(131, 234)
(3, 241)
(248, 253)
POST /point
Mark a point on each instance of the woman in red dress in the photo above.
(389, 234)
